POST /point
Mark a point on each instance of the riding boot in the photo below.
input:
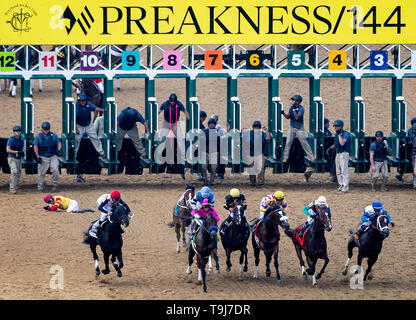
(358, 233)
(95, 229)
(373, 184)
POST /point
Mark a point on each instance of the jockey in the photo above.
(229, 206)
(202, 213)
(59, 202)
(270, 202)
(370, 214)
(312, 210)
(204, 193)
(106, 204)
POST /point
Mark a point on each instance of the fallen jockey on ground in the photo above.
(63, 203)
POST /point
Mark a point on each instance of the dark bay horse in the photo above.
(369, 245)
(314, 244)
(235, 237)
(203, 245)
(110, 241)
(94, 95)
(182, 215)
(266, 237)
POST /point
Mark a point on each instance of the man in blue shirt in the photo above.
(297, 130)
(15, 155)
(126, 124)
(379, 150)
(46, 147)
(211, 152)
(342, 148)
(399, 175)
(85, 126)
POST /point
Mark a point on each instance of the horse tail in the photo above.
(289, 232)
(87, 239)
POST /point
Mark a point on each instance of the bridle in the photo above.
(378, 226)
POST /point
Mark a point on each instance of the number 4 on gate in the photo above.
(337, 60)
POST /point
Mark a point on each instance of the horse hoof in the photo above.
(304, 276)
(344, 272)
(217, 271)
(119, 274)
(228, 269)
(278, 281)
(268, 274)
(97, 272)
(318, 276)
(245, 269)
(105, 271)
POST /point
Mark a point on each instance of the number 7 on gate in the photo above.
(213, 59)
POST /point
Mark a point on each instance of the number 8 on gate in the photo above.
(172, 60)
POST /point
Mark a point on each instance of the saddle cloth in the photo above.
(299, 239)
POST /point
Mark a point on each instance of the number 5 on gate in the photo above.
(213, 59)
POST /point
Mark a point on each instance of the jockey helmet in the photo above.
(82, 97)
(215, 116)
(256, 124)
(413, 120)
(17, 128)
(173, 97)
(321, 201)
(377, 205)
(338, 123)
(46, 125)
(205, 203)
(379, 133)
(326, 120)
(279, 195)
(47, 198)
(235, 193)
(297, 97)
(115, 195)
(202, 114)
(205, 192)
(212, 120)
(414, 126)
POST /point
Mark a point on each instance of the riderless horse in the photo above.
(266, 237)
(369, 245)
(110, 240)
(182, 215)
(203, 244)
(313, 243)
(236, 236)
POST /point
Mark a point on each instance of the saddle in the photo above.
(300, 234)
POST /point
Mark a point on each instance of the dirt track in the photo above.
(34, 240)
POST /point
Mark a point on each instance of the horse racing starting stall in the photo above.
(232, 62)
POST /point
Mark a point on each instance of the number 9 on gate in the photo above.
(130, 60)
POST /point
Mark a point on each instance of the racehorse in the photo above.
(266, 237)
(110, 241)
(235, 237)
(369, 245)
(182, 215)
(94, 95)
(313, 244)
(203, 245)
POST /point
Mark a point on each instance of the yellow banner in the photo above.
(207, 22)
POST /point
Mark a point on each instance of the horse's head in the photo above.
(188, 196)
(212, 227)
(278, 216)
(237, 210)
(120, 215)
(324, 217)
(382, 224)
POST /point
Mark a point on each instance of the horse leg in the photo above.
(351, 245)
(217, 265)
(302, 263)
(369, 272)
(228, 261)
(359, 262)
(276, 262)
(326, 259)
(312, 271)
(256, 251)
(245, 251)
(178, 236)
(183, 235)
(191, 254)
(203, 274)
(117, 266)
(210, 263)
(268, 255)
(93, 248)
(106, 261)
